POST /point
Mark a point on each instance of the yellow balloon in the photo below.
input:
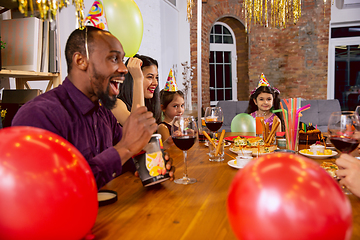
(125, 22)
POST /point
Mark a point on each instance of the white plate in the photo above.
(231, 163)
(334, 153)
(226, 144)
(237, 152)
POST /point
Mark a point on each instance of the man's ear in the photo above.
(80, 61)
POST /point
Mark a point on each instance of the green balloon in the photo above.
(125, 23)
(243, 122)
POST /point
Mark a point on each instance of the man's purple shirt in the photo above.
(91, 128)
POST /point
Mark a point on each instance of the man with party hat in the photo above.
(263, 100)
(172, 104)
(79, 109)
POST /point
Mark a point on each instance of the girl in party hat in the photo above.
(263, 100)
(172, 104)
(140, 87)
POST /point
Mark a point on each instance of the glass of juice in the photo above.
(259, 128)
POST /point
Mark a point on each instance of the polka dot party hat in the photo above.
(170, 85)
(263, 81)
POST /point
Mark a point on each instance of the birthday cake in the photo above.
(310, 135)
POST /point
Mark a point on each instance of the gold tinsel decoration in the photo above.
(281, 13)
(49, 8)
(190, 4)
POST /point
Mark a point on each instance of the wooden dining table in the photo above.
(174, 211)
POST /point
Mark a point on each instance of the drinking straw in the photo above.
(291, 122)
(286, 122)
(307, 106)
(229, 155)
(209, 138)
(276, 111)
(220, 142)
(298, 103)
(287, 104)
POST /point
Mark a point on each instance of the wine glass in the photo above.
(343, 129)
(214, 119)
(184, 133)
(357, 112)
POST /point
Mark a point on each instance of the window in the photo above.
(344, 66)
(222, 64)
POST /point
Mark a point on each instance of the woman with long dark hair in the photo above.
(139, 88)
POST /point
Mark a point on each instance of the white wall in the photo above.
(343, 16)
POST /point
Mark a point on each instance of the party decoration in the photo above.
(96, 16)
(264, 82)
(125, 22)
(47, 188)
(279, 14)
(189, 5)
(243, 122)
(48, 9)
(287, 196)
(170, 85)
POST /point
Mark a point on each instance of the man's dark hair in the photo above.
(76, 43)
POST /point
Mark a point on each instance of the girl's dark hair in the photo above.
(126, 89)
(166, 97)
(265, 89)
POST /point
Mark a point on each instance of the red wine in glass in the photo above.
(344, 144)
(184, 142)
(184, 132)
(214, 125)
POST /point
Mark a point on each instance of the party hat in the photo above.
(170, 85)
(96, 16)
(264, 82)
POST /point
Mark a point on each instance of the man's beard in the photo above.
(107, 101)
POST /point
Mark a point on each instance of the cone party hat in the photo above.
(170, 85)
(263, 81)
(96, 17)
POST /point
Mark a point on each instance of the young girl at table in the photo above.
(140, 87)
(172, 104)
(263, 99)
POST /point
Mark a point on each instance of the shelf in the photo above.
(23, 76)
(27, 74)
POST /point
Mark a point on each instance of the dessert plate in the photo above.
(231, 163)
(334, 153)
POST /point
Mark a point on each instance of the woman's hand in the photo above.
(349, 173)
(134, 67)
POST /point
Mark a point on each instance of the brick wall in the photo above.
(293, 59)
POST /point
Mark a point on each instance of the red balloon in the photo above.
(47, 189)
(286, 196)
